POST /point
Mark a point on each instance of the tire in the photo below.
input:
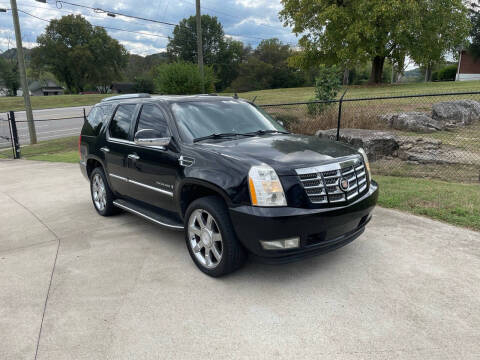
(102, 199)
(201, 236)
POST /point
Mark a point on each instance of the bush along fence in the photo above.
(429, 135)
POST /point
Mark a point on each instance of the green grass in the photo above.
(58, 150)
(276, 96)
(43, 102)
(453, 203)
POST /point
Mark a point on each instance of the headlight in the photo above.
(367, 164)
(265, 187)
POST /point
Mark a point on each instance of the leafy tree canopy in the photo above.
(183, 45)
(350, 32)
(78, 53)
(9, 75)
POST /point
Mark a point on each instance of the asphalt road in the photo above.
(123, 288)
(46, 128)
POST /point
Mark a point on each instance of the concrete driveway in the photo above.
(123, 288)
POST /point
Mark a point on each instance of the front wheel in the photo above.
(211, 241)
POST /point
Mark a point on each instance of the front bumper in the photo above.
(320, 230)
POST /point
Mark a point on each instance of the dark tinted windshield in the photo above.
(197, 119)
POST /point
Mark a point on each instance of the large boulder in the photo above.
(377, 144)
(412, 121)
(456, 113)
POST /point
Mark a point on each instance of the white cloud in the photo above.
(247, 20)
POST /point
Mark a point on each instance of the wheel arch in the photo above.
(193, 189)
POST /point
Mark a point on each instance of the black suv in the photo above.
(228, 174)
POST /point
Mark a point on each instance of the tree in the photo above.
(78, 53)
(474, 47)
(351, 32)
(253, 75)
(9, 75)
(183, 45)
(227, 66)
(443, 27)
(274, 52)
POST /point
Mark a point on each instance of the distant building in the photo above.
(468, 67)
(45, 88)
(122, 88)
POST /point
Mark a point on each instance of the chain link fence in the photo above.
(62, 126)
(431, 135)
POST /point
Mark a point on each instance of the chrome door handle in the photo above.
(133, 157)
(105, 149)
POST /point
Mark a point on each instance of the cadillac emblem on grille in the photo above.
(334, 182)
(344, 184)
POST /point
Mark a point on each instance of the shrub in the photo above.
(144, 85)
(327, 86)
(447, 73)
(182, 79)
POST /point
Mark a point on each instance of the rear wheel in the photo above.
(211, 241)
(102, 196)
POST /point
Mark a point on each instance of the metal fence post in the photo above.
(340, 114)
(14, 135)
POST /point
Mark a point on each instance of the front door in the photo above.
(152, 171)
(118, 146)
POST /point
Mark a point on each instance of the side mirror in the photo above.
(151, 138)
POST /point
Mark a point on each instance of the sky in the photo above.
(247, 20)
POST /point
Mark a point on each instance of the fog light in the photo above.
(281, 244)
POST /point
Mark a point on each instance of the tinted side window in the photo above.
(95, 117)
(151, 117)
(107, 112)
(122, 121)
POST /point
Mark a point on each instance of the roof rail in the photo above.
(125, 97)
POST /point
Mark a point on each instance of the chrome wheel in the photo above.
(99, 192)
(205, 239)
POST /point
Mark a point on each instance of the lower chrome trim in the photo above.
(161, 191)
(118, 177)
(126, 208)
(165, 192)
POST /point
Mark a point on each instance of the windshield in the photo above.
(197, 119)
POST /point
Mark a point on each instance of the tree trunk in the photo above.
(346, 76)
(428, 73)
(377, 70)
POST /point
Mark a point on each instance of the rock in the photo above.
(376, 143)
(456, 113)
(420, 150)
(412, 121)
(411, 149)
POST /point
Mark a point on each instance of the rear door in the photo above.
(153, 170)
(119, 145)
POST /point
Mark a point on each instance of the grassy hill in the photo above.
(273, 96)
(304, 94)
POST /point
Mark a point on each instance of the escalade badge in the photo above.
(343, 184)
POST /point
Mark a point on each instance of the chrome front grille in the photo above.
(328, 183)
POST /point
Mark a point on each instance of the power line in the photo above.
(60, 3)
(104, 27)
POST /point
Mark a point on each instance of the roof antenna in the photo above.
(235, 96)
(255, 98)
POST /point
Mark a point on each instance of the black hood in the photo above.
(283, 152)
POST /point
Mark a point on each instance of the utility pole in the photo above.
(199, 44)
(23, 73)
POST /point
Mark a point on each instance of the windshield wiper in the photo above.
(263, 132)
(219, 136)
